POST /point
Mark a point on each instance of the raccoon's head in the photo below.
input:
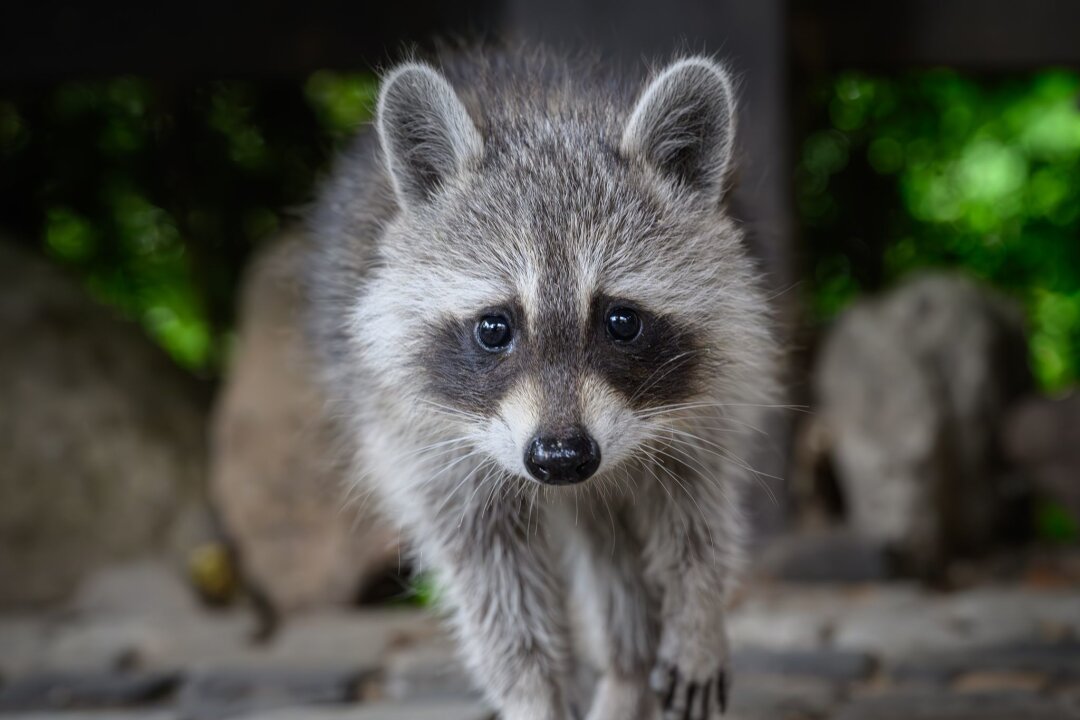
(559, 276)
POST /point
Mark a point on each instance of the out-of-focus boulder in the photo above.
(1042, 438)
(912, 389)
(102, 452)
(277, 472)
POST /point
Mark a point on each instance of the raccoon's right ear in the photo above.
(684, 126)
(426, 134)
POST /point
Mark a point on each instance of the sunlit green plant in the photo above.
(983, 176)
(155, 194)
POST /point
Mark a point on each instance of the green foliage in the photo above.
(939, 169)
(342, 101)
(155, 194)
(425, 591)
(1054, 522)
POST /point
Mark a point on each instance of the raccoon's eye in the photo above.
(623, 324)
(493, 332)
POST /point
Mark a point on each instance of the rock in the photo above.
(102, 454)
(997, 681)
(277, 476)
(22, 642)
(792, 699)
(57, 691)
(908, 704)
(360, 640)
(1023, 661)
(829, 665)
(98, 646)
(426, 671)
(1042, 438)
(434, 710)
(826, 555)
(97, 715)
(143, 587)
(912, 390)
(214, 641)
(895, 625)
(784, 618)
(226, 694)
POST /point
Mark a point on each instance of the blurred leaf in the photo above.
(984, 176)
(342, 100)
(1055, 523)
(425, 591)
(213, 573)
(69, 236)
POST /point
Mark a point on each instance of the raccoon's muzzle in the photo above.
(563, 458)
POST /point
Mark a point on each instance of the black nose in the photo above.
(562, 458)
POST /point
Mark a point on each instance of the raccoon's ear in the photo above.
(426, 134)
(684, 125)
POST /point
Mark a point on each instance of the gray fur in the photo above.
(549, 189)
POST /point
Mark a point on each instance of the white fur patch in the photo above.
(610, 421)
(509, 432)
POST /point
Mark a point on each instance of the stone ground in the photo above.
(134, 647)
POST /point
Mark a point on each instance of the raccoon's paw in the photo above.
(686, 695)
(623, 698)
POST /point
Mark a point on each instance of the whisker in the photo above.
(652, 379)
(727, 456)
(464, 480)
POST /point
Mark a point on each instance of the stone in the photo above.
(909, 704)
(912, 389)
(55, 691)
(22, 642)
(96, 715)
(424, 672)
(101, 645)
(322, 641)
(140, 588)
(225, 694)
(828, 555)
(1016, 664)
(791, 699)
(223, 640)
(441, 710)
(832, 665)
(102, 452)
(783, 618)
(360, 640)
(987, 681)
(277, 476)
(896, 625)
(1042, 438)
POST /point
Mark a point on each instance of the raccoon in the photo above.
(550, 347)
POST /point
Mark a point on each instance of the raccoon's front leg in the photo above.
(619, 615)
(508, 606)
(692, 547)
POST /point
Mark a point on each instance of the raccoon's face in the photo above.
(553, 289)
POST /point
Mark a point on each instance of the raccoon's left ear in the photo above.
(684, 125)
(425, 131)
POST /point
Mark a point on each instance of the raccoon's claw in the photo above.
(682, 698)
